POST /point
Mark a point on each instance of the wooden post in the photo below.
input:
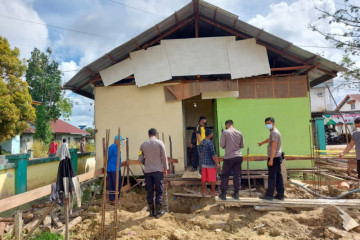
(117, 192)
(248, 170)
(18, 225)
(284, 171)
(172, 168)
(66, 209)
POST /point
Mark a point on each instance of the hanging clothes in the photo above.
(66, 173)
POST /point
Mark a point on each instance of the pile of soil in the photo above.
(192, 218)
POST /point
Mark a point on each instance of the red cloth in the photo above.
(208, 174)
(53, 147)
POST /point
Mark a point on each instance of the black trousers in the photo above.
(358, 167)
(235, 165)
(154, 179)
(111, 180)
(275, 179)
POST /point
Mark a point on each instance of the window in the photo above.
(352, 105)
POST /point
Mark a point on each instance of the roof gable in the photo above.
(201, 19)
(60, 126)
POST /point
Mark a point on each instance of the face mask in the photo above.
(358, 129)
(268, 126)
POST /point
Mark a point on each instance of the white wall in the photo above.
(320, 100)
(26, 142)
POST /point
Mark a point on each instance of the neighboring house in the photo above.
(320, 98)
(351, 103)
(202, 60)
(60, 128)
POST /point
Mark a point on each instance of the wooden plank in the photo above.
(20, 199)
(198, 181)
(348, 222)
(269, 208)
(292, 203)
(18, 225)
(328, 176)
(192, 195)
(125, 188)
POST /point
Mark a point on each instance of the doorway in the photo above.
(193, 109)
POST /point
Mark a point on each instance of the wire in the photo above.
(138, 9)
(318, 47)
(63, 28)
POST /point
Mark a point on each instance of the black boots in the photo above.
(159, 211)
(151, 209)
(236, 195)
(223, 195)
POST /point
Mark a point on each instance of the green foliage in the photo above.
(44, 78)
(15, 101)
(90, 130)
(346, 17)
(48, 236)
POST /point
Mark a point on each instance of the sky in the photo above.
(80, 31)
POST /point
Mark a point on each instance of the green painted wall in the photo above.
(292, 116)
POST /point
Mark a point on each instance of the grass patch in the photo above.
(48, 236)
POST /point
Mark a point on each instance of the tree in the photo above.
(44, 78)
(347, 18)
(90, 130)
(15, 101)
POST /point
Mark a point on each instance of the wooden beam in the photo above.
(291, 203)
(158, 29)
(290, 68)
(312, 68)
(287, 47)
(234, 23)
(214, 19)
(169, 32)
(89, 71)
(196, 14)
(110, 57)
(135, 43)
(86, 83)
(270, 48)
(176, 18)
(20, 199)
(259, 33)
(310, 60)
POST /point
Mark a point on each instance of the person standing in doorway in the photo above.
(82, 145)
(355, 141)
(232, 141)
(274, 162)
(153, 155)
(111, 168)
(200, 135)
(209, 162)
(53, 148)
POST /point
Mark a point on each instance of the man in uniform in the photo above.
(355, 141)
(153, 155)
(274, 161)
(232, 141)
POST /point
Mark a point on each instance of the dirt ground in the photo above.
(192, 218)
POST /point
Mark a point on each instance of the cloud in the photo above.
(291, 21)
(21, 34)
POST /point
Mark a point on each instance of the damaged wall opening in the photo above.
(193, 109)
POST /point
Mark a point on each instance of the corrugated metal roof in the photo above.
(224, 18)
